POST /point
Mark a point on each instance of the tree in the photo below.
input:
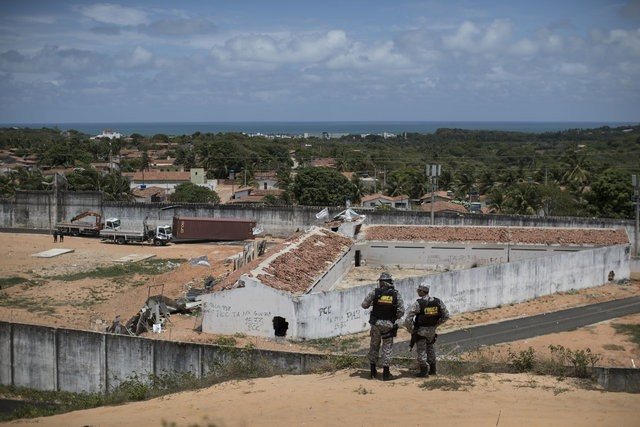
(486, 181)
(408, 181)
(558, 202)
(611, 195)
(465, 182)
(144, 161)
(321, 186)
(192, 193)
(497, 200)
(117, 187)
(6, 188)
(86, 180)
(523, 199)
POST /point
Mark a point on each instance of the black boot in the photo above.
(374, 372)
(432, 368)
(423, 371)
(386, 375)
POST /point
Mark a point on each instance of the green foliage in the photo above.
(448, 384)
(406, 181)
(632, 330)
(148, 267)
(611, 194)
(522, 361)
(335, 344)
(558, 202)
(192, 193)
(320, 186)
(523, 199)
(580, 360)
(7, 282)
(225, 341)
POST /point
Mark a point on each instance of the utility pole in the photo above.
(433, 172)
(636, 192)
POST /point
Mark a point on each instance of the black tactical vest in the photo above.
(429, 314)
(385, 304)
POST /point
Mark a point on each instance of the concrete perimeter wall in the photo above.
(45, 358)
(40, 210)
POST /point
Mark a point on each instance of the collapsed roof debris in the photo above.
(511, 235)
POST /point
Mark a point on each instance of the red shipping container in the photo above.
(212, 229)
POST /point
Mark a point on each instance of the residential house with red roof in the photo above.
(374, 200)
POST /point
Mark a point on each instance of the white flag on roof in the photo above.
(323, 213)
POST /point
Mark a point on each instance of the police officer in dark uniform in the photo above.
(388, 307)
(423, 317)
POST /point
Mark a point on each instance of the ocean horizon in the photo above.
(332, 128)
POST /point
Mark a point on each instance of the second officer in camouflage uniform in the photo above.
(388, 307)
(423, 317)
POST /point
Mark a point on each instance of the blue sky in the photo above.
(468, 60)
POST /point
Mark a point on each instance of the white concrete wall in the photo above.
(451, 255)
(330, 314)
(499, 284)
(335, 274)
(251, 309)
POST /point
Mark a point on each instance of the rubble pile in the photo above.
(155, 313)
(573, 236)
(511, 235)
(297, 269)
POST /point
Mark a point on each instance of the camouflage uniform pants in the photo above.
(374, 346)
(425, 346)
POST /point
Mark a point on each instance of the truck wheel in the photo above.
(157, 242)
(75, 233)
(120, 240)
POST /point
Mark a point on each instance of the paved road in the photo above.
(527, 327)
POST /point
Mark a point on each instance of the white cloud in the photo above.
(628, 42)
(464, 37)
(496, 36)
(573, 68)
(524, 47)
(281, 49)
(140, 56)
(376, 58)
(550, 43)
(473, 39)
(114, 14)
(179, 27)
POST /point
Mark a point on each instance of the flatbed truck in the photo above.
(159, 236)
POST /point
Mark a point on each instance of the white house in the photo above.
(107, 134)
(397, 202)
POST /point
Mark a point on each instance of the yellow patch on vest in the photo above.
(385, 299)
(431, 311)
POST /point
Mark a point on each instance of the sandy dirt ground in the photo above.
(323, 399)
(345, 398)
